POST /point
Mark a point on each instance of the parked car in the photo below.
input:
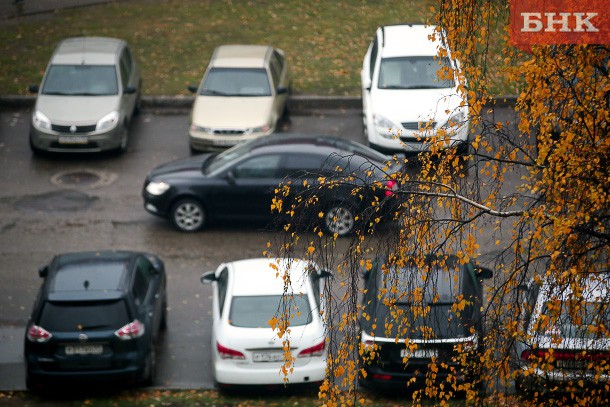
(564, 342)
(404, 100)
(88, 95)
(247, 295)
(400, 341)
(97, 318)
(243, 95)
(240, 183)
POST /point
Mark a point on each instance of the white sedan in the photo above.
(247, 295)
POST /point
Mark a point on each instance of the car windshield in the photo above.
(236, 82)
(82, 316)
(574, 319)
(256, 311)
(81, 80)
(219, 161)
(413, 73)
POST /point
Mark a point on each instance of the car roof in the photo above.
(89, 275)
(240, 56)
(87, 51)
(595, 286)
(259, 276)
(401, 40)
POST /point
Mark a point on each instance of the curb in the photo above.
(296, 102)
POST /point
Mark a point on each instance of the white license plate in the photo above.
(419, 353)
(572, 364)
(73, 139)
(267, 357)
(221, 142)
(84, 349)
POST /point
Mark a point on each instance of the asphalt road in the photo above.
(62, 203)
(65, 203)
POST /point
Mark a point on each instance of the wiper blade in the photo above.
(213, 92)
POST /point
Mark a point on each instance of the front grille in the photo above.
(415, 126)
(89, 145)
(78, 129)
(229, 132)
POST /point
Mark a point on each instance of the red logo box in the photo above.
(548, 22)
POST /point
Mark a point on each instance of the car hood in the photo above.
(182, 166)
(232, 112)
(413, 105)
(78, 110)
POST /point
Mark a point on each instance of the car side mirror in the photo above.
(325, 274)
(208, 278)
(230, 177)
(129, 90)
(484, 273)
(192, 88)
(33, 88)
(43, 271)
(281, 90)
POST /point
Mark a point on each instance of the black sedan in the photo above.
(97, 318)
(239, 184)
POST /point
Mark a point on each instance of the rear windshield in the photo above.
(574, 319)
(256, 311)
(81, 80)
(79, 316)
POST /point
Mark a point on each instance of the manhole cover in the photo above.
(83, 178)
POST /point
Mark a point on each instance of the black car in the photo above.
(408, 322)
(240, 183)
(97, 317)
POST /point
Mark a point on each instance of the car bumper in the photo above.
(379, 378)
(67, 142)
(219, 142)
(313, 371)
(131, 374)
(409, 141)
(533, 379)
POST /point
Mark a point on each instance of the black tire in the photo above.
(188, 215)
(151, 366)
(339, 218)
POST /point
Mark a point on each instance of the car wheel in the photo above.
(151, 366)
(339, 219)
(188, 215)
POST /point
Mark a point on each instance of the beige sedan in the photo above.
(242, 96)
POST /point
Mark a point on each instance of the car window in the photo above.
(125, 65)
(297, 165)
(81, 80)
(277, 66)
(412, 73)
(90, 276)
(141, 282)
(264, 166)
(82, 316)
(315, 285)
(573, 318)
(256, 311)
(236, 82)
(221, 286)
(373, 60)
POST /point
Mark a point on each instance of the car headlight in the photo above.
(108, 122)
(41, 121)
(456, 119)
(157, 187)
(261, 129)
(201, 129)
(384, 126)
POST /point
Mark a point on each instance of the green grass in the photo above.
(173, 40)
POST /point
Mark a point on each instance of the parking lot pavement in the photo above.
(10, 9)
(11, 358)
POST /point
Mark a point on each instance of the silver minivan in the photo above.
(88, 95)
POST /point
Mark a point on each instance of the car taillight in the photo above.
(564, 355)
(132, 330)
(316, 350)
(390, 186)
(38, 334)
(226, 353)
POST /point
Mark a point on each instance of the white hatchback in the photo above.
(405, 102)
(247, 295)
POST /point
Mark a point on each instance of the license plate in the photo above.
(572, 364)
(84, 349)
(267, 357)
(73, 139)
(222, 142)
(419, 353)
